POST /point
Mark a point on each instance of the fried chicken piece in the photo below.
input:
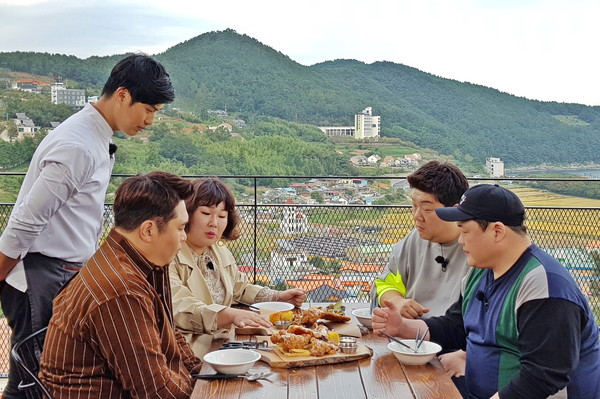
(299, 330)
(334, 316)
(309, 317)
(288, 341)
(320, 348)
(278, 337)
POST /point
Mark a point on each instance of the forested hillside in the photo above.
(225, 70)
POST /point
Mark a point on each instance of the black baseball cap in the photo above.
(486, 202)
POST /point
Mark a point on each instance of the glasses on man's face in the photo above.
(442, 261)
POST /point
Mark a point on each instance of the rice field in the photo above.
(535, 197)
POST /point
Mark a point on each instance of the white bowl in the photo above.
(364, 316)
(404, 355)
(274, 306)
(232, 361)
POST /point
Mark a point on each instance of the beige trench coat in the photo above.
(194, 310)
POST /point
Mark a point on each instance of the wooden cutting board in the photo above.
(254, 331)
(344, 329)
(278, 360)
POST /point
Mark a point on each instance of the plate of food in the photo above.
(307, 340)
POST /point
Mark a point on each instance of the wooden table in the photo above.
(380, 376)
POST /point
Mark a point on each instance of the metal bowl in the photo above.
(348, 347)
(282, 324)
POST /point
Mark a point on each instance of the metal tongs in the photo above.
(254, 345)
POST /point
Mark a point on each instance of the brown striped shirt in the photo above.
(111, 334)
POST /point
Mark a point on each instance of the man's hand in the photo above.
(387, 319)
(6, 265)
(294, 296)
(454, 363)
(408, 308)
(411, 309)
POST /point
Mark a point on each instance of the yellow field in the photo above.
(534, 197)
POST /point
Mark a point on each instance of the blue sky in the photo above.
(538, 49)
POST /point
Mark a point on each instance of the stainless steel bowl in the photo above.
(348, 347)
(282, 324)
(348, 340)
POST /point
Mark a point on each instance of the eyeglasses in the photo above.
(442, 261)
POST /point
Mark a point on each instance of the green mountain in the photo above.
(225, 70)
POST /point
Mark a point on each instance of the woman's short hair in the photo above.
(151, 196)
(211, 192)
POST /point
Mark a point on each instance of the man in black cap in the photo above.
(527, 329)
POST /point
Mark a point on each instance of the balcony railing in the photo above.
(334, 250)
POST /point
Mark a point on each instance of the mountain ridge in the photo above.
(226, 70)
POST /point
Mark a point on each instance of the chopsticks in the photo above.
(418, 340)
(422, 339)
(249, 305)
(397, 340)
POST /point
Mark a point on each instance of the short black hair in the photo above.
(444, 180)
(483, 224)
(145, 78)
(211, 192)
(152, 196)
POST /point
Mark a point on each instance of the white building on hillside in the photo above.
(25, 126)
(338, 131)
(366, 124)
(59, 94)
(293, 221)
(494, 166)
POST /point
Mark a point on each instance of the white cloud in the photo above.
(534, 48)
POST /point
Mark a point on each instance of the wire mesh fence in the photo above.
(335, 251)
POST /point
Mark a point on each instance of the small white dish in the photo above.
(232, 361)
(364, 316)
(404, 355)
(272, 306)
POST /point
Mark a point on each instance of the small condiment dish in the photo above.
(282, 324)
(348, 345)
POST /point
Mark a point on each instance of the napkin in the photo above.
(348, 329)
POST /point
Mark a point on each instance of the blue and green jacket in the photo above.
(528, 334)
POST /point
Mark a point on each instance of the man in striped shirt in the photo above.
(111, 334)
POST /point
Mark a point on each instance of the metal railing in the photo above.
(336, 249)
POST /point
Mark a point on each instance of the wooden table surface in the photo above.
(380, 376)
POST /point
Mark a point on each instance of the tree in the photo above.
(317, 196)
(317, 262)
(12, 130)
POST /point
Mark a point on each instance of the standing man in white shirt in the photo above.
(56, 222)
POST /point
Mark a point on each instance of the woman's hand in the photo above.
(241, 318)
(294, 296)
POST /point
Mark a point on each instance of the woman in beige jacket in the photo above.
(205, 279)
